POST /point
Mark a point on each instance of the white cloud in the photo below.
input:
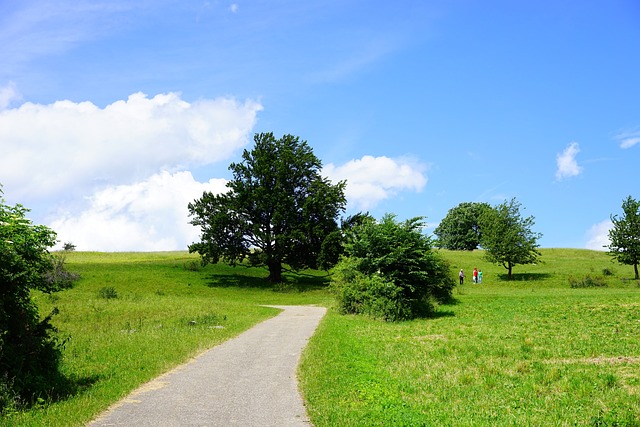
(628, 139)
(598, 236)
(566, 162)
(8, 94)
(151, 215)
(50, 148)
(371, 180)
(233, 8)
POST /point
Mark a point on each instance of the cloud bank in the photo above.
(66, 144)
(118, 177)
(371, 180)
(567, 166)
(151, 215)
(598, 236)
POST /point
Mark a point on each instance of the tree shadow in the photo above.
(292, 282)
(58, 388)
(524, 277)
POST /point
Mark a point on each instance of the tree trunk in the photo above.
(510, 269)
(635, 267)
(275, 271)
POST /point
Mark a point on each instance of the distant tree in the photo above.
(460, 229)
(29, 350)
(624, 237)
(69, 247)
(390, 270)
(278, 210)
(507, 237)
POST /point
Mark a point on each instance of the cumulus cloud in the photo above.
(566, 162)
(628, 139)
(8, 94)
(371, 180)
(598, 236)
(150, 215)
(50, 148)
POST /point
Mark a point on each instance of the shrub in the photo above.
(29, 349)
(107, 292)
(588, 282)
(193, 265)
(390, 271)
(59, 278)
(358, 293)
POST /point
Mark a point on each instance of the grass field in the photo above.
(532, 351)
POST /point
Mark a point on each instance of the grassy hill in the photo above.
(532, 351)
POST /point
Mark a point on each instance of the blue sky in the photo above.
(115, 114)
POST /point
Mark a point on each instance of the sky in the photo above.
(114, 115)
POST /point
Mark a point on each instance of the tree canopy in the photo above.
(624, 237)
(460, 228)
(507, 237)
(390, 270)
(278, 209)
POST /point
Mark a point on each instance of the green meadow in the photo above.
(558, 345)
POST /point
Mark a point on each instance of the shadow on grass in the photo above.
(59, 388)
(524, 277)
(293, 282)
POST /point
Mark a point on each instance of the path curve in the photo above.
(249, 380)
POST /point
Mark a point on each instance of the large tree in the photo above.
(278, 210)
(507, 237)
(460, 229)
(624, 237)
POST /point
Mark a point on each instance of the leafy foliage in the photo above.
(460, 229)
(29, 349)
(624, 237)
(507, 237)
(278, 209)
(390, 270)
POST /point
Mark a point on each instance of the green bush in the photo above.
(391, 271)
(107, 292)
(588, 282)
(30, 352)
(371, 295)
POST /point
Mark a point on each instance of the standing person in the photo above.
(475, 275)
(480, 276)
(461, 276)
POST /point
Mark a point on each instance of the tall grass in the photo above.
(532, 351)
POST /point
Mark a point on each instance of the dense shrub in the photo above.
(588, 282)
(29, 349)
(390, 271)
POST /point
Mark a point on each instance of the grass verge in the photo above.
(532, 351)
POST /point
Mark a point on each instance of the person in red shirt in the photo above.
(475, 275)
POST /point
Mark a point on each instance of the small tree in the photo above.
(278, 209)
(624, 237)
(29, 350)
(507, 237)
(460, 229)
(390, 270)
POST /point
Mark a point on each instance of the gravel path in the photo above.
(249, 380)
